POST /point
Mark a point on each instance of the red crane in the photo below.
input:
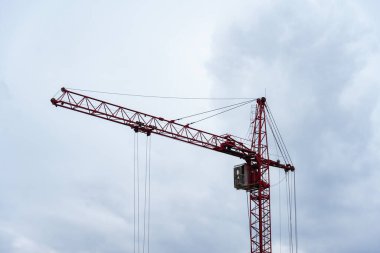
(252, 176)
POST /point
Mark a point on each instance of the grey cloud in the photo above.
(4, 91)
(66, 179)
(308, 55)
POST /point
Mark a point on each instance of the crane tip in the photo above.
(54, 101)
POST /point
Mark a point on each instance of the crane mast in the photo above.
(252, 176)
(259, 204)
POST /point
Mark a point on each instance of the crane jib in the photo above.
(146, 123)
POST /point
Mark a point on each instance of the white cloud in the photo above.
(66, 182)
(18, 243)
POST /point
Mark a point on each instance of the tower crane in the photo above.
(251, 176)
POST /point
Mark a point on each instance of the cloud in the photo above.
(18, 243)
(66, 183)
(66, 180)
(317, 61)
(4, 91)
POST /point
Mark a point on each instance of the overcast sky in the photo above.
(66, 181)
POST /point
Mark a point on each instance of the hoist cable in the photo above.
(138, 194)
(237, 106)
(279, 210)
(162, 97)
(149, 196)
(145, 189)
(287, 209)
(144, 243)
(289, 214)
(279, 200)
(213, 110)
(134, 193)
(295, 210)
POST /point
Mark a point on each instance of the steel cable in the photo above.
(145, 189)
(237, 106)
(163, 97)
(279, 208)
(276, 137)
(295, 210)
(134, 193)
(213, 110)
(149, 192)
(138, 195)
(290, 186)
(279, 133)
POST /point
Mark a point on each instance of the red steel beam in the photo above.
(148, 124)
